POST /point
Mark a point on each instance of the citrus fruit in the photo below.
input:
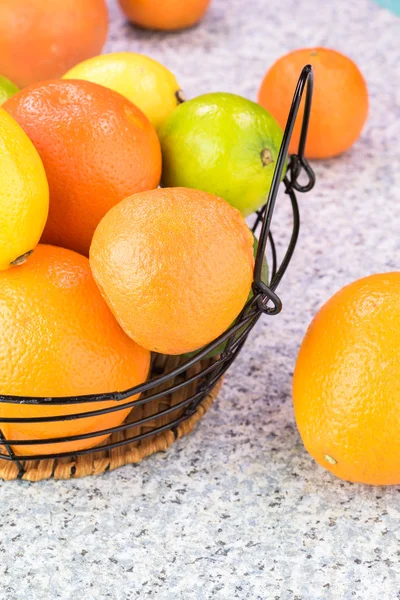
(42, 39)
(144, 81)
(346, 381)
(7, 89)
(97, 148)
(222, 144)
(59, 338)
(24, 193)
(164, 14)
(339, 105)
(264, 277)
(175, 266)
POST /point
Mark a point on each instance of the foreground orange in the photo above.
(42, 39)
(97, 148)
(346, 382)
(164, 14)
(59, 338)
(175, 265)
(339, 105)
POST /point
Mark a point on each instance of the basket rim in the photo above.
(120, 396)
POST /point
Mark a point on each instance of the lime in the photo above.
(223, 144)
(7, 89)
(144, 81)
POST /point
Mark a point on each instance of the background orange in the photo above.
(345, 386)
(339, 105)
(164, 14)
(42, 39)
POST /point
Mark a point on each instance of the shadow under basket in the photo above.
(179, 389)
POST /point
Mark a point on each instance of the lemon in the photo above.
(144, 81)
(7, 89)
(24, 193)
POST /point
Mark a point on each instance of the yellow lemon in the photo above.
(24, 193)
(144, 81)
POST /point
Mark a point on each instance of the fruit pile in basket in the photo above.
(174, 265)
(100, 266)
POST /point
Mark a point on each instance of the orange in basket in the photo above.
(59, 338)
(175, 265)
(97, 148)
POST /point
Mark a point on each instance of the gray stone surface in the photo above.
(238, 509)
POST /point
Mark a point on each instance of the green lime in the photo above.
(223, 144)
(7, 89)
(264, 276)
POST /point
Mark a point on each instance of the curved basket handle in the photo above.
(296, 164)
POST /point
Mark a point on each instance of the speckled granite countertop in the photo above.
(238, 509)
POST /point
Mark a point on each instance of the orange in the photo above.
(175, 265)
(340, 101)
(42, 39)
(59, 338)
(346, 381)
(164, 14)
(97, 148)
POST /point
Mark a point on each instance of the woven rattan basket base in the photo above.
(107, 460)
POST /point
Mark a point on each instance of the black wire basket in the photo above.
(189, 381)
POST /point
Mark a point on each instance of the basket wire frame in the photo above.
(264, 301)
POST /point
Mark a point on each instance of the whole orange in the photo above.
(59, 338)
(175, 266)
(97, 148)
(42, 39)
(346, 381)
(164, 14)
(339, 105)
